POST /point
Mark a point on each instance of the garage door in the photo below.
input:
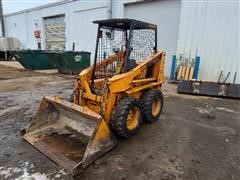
(55, 32)
(165, 14)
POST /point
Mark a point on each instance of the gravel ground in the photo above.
(195, 138)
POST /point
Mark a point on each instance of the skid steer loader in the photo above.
(111, 98)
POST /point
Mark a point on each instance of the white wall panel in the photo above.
(165, 14)
(85, 32)
(211, 30)
(73, 23)
(23, 24)
(16, 26)
(118, 7)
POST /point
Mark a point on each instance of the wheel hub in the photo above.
(156, 107)
(133, 118)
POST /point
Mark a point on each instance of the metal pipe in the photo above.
(234, 79)
(95, 57)
(73, 46)
(174, 58)
(128, 48)
(109, 6)
(155, 48)
(1, 19)
(220, 76)
(196, 67)
(226, 77)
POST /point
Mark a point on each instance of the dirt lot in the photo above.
(195, 137)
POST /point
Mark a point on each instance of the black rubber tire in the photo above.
(118, 122)
(147, 100)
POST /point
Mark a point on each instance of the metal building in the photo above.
(210, 29)
(166, 15)
(207, 28)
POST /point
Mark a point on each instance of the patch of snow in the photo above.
(34, 176)
(207, 109)
(60, 173)
(27, 175)
(7, 172)
(24, 170)
(203, 110)
(225, 109)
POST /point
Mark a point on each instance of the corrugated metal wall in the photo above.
(165, 14)
(211, 30)
(208, 28)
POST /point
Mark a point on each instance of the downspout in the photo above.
(1, 19)
(109, 9)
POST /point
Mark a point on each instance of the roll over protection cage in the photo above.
(129, 33)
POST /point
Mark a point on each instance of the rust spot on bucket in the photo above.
(67, 142)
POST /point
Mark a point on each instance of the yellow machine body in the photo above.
(132, 83)
(75, 134)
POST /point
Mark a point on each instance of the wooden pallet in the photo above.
(185, 72)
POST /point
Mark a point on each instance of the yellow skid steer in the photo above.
(111, 98)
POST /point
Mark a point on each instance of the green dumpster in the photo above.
(34, 59)
(70, 62)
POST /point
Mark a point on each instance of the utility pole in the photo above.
(1, 19)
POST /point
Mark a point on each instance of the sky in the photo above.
(10, 6)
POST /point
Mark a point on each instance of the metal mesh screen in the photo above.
(110, 40)
(142, 43)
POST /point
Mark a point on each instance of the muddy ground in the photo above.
(195, 137)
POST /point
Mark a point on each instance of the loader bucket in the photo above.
(71, 135)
